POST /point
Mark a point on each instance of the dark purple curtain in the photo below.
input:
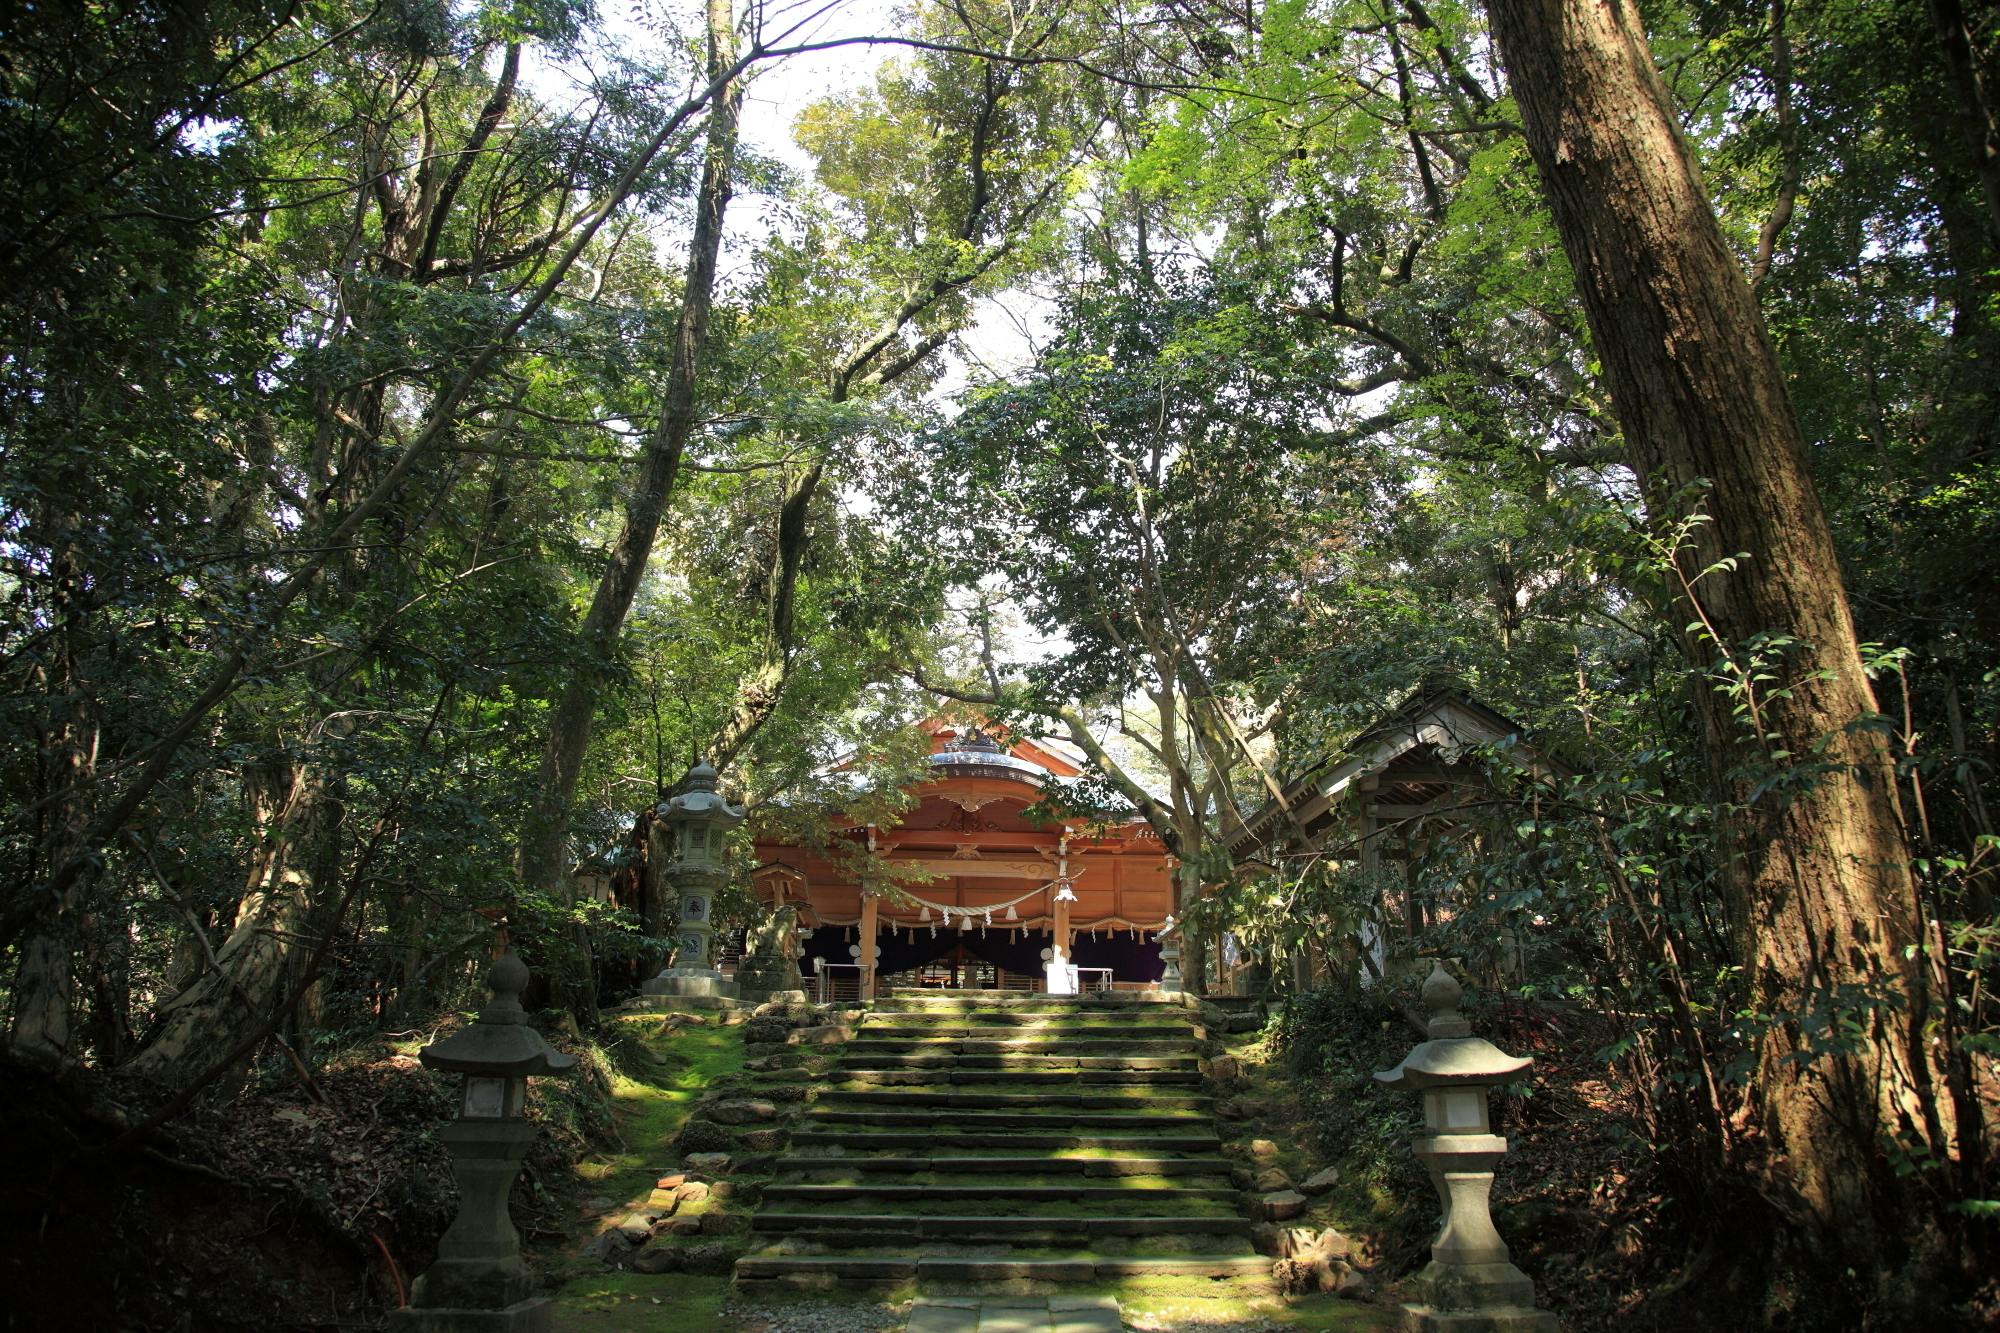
(1128, 959)
(1016, 953)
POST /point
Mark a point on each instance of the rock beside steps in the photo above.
(987, 1141)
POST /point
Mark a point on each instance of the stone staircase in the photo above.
(971, 1138)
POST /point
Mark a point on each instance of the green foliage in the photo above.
(1332, 1042)
(1312, 414)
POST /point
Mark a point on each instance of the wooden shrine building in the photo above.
(1385, 797)
(975, 894)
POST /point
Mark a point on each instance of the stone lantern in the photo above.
(1470, 1282)
(479, 1282)
(699, 821)
(1169, 937)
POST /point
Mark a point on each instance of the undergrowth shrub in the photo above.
(1332, 1041)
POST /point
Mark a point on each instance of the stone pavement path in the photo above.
(1056, 1314)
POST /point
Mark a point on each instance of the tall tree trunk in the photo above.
(1818, 872)
(1194, 944)
(1967, 67)
(542, 858)
(43, 993)
(762, 690)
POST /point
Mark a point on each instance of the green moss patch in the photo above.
(638, 1303)
(659, 1071)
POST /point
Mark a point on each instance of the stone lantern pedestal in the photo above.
(1471, 1284)
(698, 820)
(479, 1284)
(1169, 936)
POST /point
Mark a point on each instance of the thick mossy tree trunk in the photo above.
(254, 964)
(1817, 871)
(544, 852)
(1194, 944)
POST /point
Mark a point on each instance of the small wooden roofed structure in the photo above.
(1384, 796)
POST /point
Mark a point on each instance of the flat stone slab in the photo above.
(781, 1267)
(1084, 1321)
(943, 1317)
(1076, 1314)
(1191, 1266)
(1001, 1269)
(534, 1315)
(1507, 1319)
(681, 1004)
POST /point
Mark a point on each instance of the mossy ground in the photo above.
(1173, 1303)
(642, 1303)
(684, 1303)
(659, 1070)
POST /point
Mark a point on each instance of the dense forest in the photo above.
(426, 428)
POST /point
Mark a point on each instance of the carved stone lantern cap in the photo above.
(699, 796)
(1452, 1056)
(500, 1044)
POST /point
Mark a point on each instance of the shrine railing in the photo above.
(834, 982)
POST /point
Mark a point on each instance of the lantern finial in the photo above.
(507, 979)
(1441, 996)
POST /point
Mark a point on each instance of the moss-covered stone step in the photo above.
(1041, 1165)
(1022, 1060)
(852, 1268)
(874, 1138)
(890, 1013)
(969, 1138)
(943, 1182)
(1056, 1115)
(996, 1268)
(1107, 1097)
(919, 1026)
(864, 1230)
(1056, 1019)
(1003, 1000)
(955, 1201)
(974, 1070)
(968, 1190)
(1072, 1047)
(1025, 1237)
